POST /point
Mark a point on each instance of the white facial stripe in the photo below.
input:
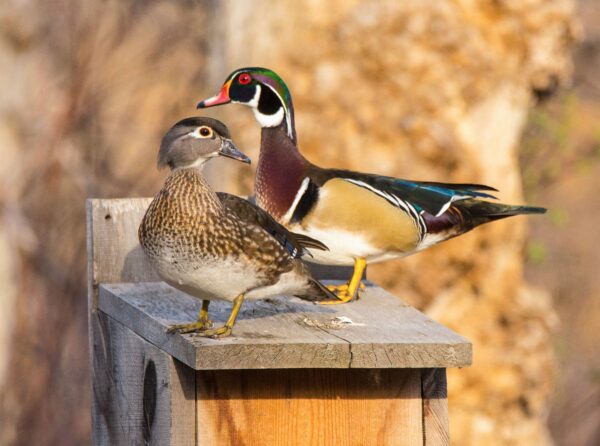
(270, 120)
(254, 102)
(297, 198)
(265, 120)
(288, 118)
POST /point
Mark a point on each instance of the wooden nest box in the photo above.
(372, 372)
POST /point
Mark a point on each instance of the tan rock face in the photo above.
(433, 91)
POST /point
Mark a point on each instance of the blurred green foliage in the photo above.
(561, 138)
(537, 252)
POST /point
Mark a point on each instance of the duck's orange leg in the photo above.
(350, 290)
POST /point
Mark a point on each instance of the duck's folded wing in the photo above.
(434, 198)
(249, 213)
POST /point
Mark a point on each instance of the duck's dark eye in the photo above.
(244, 79)
(205, 131)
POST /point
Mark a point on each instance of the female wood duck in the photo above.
(216, 245)
(361, 217)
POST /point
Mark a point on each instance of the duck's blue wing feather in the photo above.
(430, 197)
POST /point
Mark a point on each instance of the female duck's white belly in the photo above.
(223, 279)
(227, 279)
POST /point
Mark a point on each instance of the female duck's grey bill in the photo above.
(231, 151)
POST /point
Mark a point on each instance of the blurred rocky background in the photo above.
(453, 90)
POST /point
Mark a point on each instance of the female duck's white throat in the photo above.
(199, 163)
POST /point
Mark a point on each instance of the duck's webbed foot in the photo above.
(349, 291)
(203, 322)
(203, 327)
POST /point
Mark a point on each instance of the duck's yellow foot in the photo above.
(220, 332)
(344, 293)
(343, 298)
(225, 330)
(200, 324)
(203, 319)
(203, 322)
(344, 288)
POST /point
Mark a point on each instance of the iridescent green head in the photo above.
(262, 90)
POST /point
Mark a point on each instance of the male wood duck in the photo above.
(216, 245)
(361, 217)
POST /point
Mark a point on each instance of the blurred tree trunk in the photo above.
(433, 91)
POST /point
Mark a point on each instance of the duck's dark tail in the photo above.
(476, 212)
(314, 291)
(464, 215)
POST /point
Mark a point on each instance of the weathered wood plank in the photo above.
(386, 332)
(309, 407)
(268, 334)
(434, 392)
(141, 396)
(378, 331)
(114, 253)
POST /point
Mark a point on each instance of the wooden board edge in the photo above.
(424, 355)
(434, 394)
(145, 327)
(345, 354)
(91, 287)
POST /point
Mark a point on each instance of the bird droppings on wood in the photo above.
(333, 323)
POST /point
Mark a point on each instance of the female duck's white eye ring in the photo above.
(205, 132)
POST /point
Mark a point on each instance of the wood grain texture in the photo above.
(378, 331)
(434, 392)
(309, 407)
(114, 253)
(141, 395)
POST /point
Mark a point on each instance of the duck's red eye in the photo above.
(244, 79)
